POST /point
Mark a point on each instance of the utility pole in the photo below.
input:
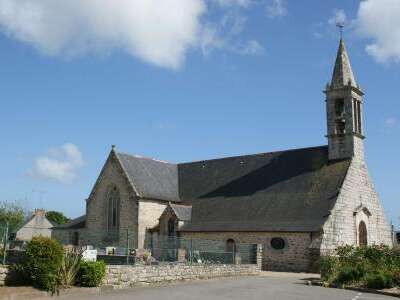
(5, 244)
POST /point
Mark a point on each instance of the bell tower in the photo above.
(344, 105)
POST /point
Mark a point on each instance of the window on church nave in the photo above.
(113, 200)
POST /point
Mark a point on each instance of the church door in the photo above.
(362, 234)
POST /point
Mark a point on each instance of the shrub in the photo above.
(372, 266)
(350, 274)
(396, 278)
(17, 276)
(42, 262)
(379, 280)
(91, 273)
(328, 267)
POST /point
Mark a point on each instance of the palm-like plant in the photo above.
(70, 267)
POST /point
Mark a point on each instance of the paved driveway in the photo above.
(268, 286)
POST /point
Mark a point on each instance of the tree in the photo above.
(56, 217)
(11, 213)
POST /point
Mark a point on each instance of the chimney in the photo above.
(39, 212)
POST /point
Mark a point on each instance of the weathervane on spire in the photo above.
(340, 25)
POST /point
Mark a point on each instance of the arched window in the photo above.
(230, 246)
(113, 202)
(171, 227)
(362, 234)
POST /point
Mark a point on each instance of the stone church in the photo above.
(298, 203)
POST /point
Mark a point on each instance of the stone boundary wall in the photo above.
(3, 274)
(127, 276)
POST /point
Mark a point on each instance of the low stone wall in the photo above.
(3, 274)
(126, 276)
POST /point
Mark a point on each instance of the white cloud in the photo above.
(379, 20)
(391, 122)
(225, 3)
(159, 32)
(60, 164)
(223, 36)
(276, 8)
(339, 17)
(251, 47)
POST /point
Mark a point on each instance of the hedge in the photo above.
(375, 267)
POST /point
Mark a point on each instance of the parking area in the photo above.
(274, 286)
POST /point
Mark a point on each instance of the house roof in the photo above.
(37, 220)
(290, 190)
(73, 224)
(151, 178)
(182, 212)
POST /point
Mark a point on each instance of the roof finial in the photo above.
(112, 147)
(340, 25)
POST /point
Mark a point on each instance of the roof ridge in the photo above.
(145, 157)
(183, 205)
(250, 155)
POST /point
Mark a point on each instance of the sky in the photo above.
(183, 80)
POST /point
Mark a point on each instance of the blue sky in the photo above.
(193, 80)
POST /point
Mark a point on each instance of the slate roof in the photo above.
(151, 178)
(290, 190)
(73, 224)
(182, 212)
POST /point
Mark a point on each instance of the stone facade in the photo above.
(296, 256)
(66, 236)
(127, 276)
(149, 213)
(357, 201)
(136, 215)
(96, 206)
(342, 145)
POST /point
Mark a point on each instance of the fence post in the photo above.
(5, 244)
(191, 251)
(259, 256)
(127, 246)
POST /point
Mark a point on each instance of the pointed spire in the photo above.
(342, 73)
